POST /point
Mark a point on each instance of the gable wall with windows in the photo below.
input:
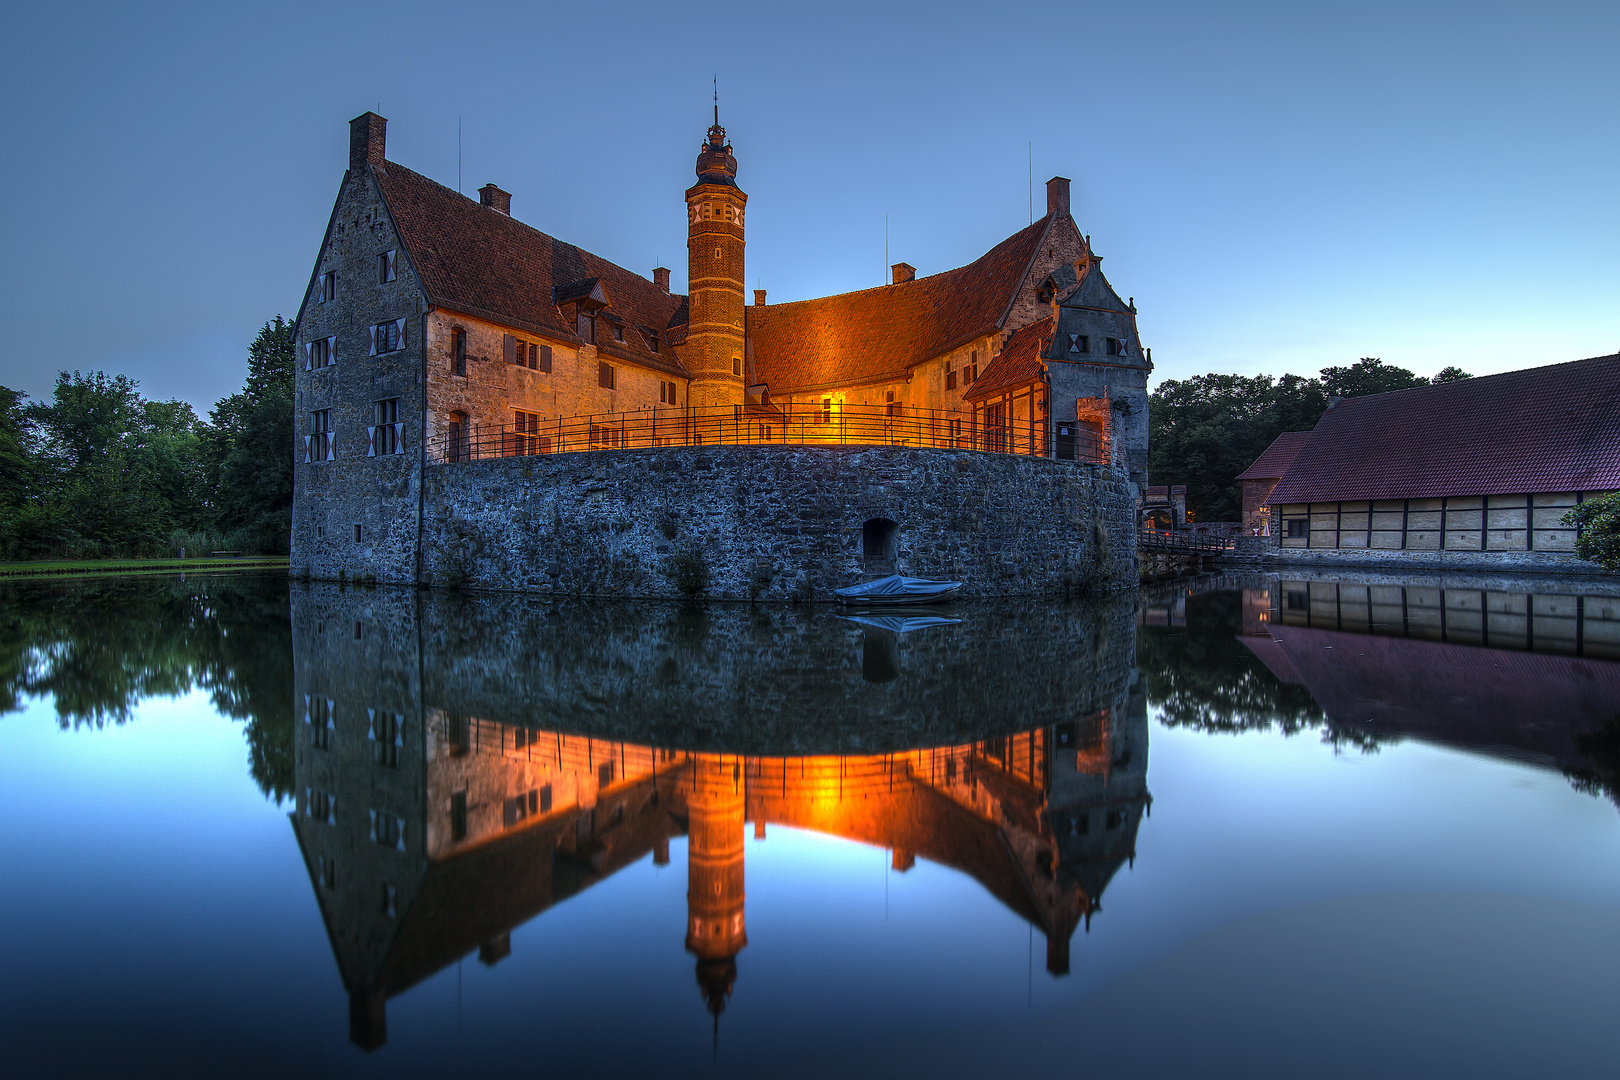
(359, 365)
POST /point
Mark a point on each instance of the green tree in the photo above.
(1450, 374)
(1599, 522)
(250, 444)
(1369, 375)
(1205, 430)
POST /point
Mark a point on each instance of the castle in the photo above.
(438, 332)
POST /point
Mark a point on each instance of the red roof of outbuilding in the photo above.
(1275, 459)
(1018, 365)
(481, 262)
(877, 334)
(1554, 428)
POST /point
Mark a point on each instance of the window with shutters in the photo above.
(950, 377)
(318, 443)
(318, 718)
(320, 352)
(534, 358)
(606, 376)
(736, 365)
(388, 830)
(458, 352)
(1080, 343)
(1115, 347)
(328, 286)
(387, 433)
(387, 737)
(666, 392)
(544, 359)
(525, 433)
(824, 414)
(385, 267)
(388, 337)
(970, 374)
(320, 806)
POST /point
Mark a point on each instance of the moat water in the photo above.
(1253, 826)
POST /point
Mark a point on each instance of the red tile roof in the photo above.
(481, 262)
(1276, 458)
(877, 334)
(1553, 428)
(1018, 365)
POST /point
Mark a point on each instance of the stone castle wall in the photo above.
(766, 522)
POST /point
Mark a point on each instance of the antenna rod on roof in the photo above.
(885, 243)
(1032, 182)
(458, 155)
(717, 99)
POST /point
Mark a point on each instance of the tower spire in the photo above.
(717, 101)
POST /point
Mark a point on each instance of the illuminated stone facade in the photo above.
(439, 332)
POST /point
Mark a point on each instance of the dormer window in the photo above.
(618, 332)
(652, 341)
(1047, 292)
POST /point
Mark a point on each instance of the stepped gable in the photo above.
(878, 334)
(1275, 459)
(479, 261)
(1018, 364)
(1554, 428)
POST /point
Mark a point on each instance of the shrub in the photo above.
(688, 572)
(1599, 522)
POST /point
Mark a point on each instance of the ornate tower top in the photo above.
(715, 164)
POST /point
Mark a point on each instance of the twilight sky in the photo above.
(1280, 186)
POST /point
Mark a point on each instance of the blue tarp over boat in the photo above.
(898, 589)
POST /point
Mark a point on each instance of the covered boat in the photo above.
(902, 620)
(898, 589)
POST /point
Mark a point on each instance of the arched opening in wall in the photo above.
(880, 543)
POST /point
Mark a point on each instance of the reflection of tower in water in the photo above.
(715, 931)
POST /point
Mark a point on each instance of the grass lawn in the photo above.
(53, 567)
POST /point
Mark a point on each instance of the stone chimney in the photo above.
(496, 199)
(1057, 196)
(661, 277)
(366, 139)
(902, 272)
(759, 297)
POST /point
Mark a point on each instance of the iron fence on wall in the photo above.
(756, 425)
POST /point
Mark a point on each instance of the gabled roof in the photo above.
(877, 334)
(1553, 428)
(1018, 365)
(478, 261)
(1273, 462)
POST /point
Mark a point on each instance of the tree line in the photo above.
(1204, 431)
(100, 471)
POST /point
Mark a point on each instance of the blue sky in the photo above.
(1280, 186)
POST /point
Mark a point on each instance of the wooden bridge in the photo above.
(1167, 552)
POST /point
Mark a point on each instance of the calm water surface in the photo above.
(1261, 827)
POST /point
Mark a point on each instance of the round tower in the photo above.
(715, 930)
(714, 275)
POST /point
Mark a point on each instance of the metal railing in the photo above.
(764, 425)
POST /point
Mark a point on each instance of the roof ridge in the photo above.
(1477, 379)
(892, 286)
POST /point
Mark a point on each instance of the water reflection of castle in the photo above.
(431, 829)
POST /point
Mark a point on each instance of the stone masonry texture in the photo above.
(755, 522)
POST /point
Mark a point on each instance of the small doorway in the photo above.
(879, 545)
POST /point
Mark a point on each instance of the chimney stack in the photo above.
(496, 199)
(759, 297)
(366, 139)
(903, 272)
(1057, 196)
(661, 277)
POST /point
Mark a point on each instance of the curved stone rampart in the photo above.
(770, 522)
